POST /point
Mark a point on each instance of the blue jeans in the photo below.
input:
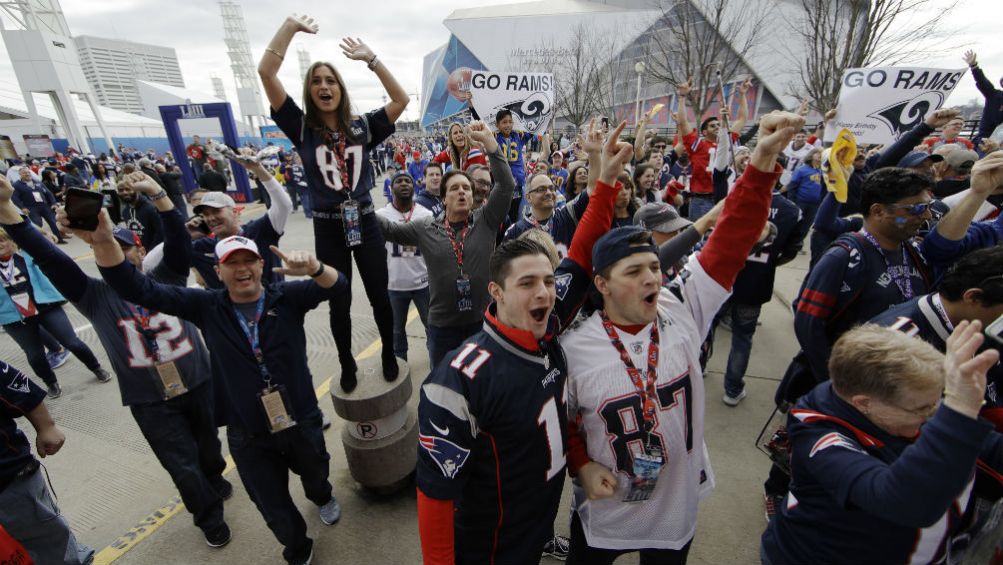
(264, 462)
(304, 195)
(443, 340)
(182, 433)
(699, 206)
(27, 334)
(30, 515)
(743, 327)
(399, 301)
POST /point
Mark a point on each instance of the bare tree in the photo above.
(694, 39)
(847, 34)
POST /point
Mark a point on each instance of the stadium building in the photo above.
(542, 36)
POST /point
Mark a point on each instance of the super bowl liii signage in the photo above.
(879, 105)
(529, 96)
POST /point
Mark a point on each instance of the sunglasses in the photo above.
(912, 209)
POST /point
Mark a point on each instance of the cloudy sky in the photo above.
(400, 32)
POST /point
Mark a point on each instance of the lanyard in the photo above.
(251, 333)
(7, 271)
(645, 389)
(409, 214)
(544, 226)
(903, 282)
(457, 245)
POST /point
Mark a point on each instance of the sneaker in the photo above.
(557, 547)
(330, 512)
(223, 488)
(219, 536)
(54, 391)
(733, 400)
(325, 421)
(773, 503)
(57, 359)
(102, 375)
(306, 561)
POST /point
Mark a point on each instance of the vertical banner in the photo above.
(7, 150)
(39, 145)
(878, 105)
(529, 96)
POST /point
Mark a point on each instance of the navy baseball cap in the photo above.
(399, 175)
(126, 236)
(914, 158)
(615, 245)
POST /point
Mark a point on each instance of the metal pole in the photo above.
(637, 102)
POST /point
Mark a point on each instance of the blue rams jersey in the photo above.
(512, 148)
(492, 421)
(924, 318)
(559, 177)
(561, 225)
(861, 495)
(327, 190)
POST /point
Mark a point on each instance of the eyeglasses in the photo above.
(912, 209)
(548, 188)
(482, 182)
(922, 411)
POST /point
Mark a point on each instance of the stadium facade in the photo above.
(537, 35)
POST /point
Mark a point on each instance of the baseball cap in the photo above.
(660, 217)
(215, 200)
(399, 175)
(962, 160)
(126, 236)
(914, 158)
(615, 245)
(235, 243)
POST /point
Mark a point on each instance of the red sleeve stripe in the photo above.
(819, 297)
(813, 310)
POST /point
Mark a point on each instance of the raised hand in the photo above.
(965, 372)
(302, 23)
(102, 234)
(593, 140)
(829, 116)
(987, 174)
(970, 59)
(355, 49)
(803, 108)
(776, 130)
(615, 155)
(481, 133)
(297, 263)
(684, 88)
(141, 182)
(6, 190)
(988, 145)
(745, 86)
(939, 118)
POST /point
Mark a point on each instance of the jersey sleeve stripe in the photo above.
(813, 310)
(451, 401)
(819, 297)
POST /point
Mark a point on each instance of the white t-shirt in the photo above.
(601, 392)
(405, 264)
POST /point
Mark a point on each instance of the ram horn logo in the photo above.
(533, 111)
(903, 116)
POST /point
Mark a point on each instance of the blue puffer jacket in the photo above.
(41, 287)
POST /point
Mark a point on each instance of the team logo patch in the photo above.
(833, 439)
(446, 454)
(636, 347)
(903, 116)
(562, 283)
(19, 384)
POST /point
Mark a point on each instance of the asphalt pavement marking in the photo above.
(156, 519)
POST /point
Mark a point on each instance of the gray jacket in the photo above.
(429, 234)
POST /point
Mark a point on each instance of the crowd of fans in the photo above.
(570, 287)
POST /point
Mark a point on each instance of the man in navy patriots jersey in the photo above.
(867, 486)
(971, 290)
(541, 192)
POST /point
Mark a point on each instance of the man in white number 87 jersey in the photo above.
(635, 388)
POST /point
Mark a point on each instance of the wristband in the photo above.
(372, 63)
(319, 272)
(274, 52)
(159, 195)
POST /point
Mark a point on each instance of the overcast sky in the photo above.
(400, 32)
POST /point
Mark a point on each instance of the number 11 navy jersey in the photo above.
(492, 423)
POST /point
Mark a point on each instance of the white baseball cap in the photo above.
(215, 200)
(235, 243)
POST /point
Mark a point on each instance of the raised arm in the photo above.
(893, 154)
(592, 144)
(356, 50)
(987, 174)
(500, 197)
(984, 85)
(743, 107)
(399, 233)
(268, 66)
(683, 126)
(282, 204)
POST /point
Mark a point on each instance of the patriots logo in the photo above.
(636, 347)
(834, 439)
(19, 384)
(446, 454)
(533, 112)
(903, 116)
(562, 283)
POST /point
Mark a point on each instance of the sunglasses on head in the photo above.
(912, 209)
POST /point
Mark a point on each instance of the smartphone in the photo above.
(605, 123)
(995, 330)
(83, 207)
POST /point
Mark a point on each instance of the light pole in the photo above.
(639, 69)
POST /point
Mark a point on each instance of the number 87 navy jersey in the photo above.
(492, 422)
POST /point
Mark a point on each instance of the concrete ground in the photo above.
(120, 501)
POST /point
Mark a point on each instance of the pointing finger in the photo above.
(278, 252)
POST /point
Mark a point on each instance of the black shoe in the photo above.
(219, 536)
(102, 375)
(223, 487)
(391, 370)
(54, 391)
(349, 381)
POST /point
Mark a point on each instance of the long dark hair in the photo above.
(343, 111)
(571, 181)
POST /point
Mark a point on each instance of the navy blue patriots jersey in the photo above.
(492, 422)
(754, 284)
(561, 225)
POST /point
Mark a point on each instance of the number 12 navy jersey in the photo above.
(492, 423)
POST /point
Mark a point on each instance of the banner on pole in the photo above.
(529, 96)
(39, 145)
(878, 105)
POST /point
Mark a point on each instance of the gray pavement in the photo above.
(118, 498)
